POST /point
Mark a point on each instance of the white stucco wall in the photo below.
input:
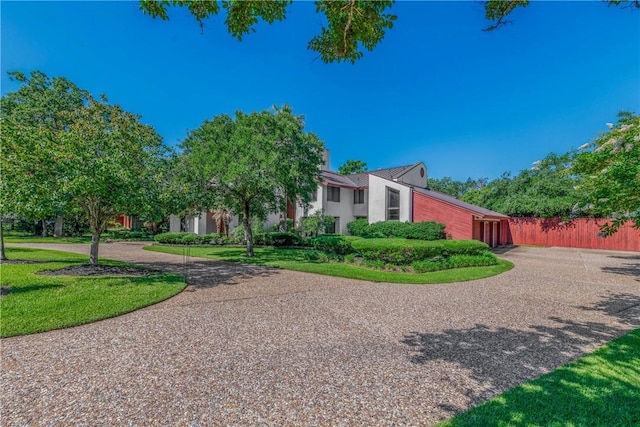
(413, 177)
(378, 203)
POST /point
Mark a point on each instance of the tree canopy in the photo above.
(352, 166)
(349, 26)
(609, 173)
(252, 164)
(63, 150)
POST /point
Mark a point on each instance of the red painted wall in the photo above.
(459, 221)
(577, 233)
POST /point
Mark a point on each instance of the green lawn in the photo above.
(40, 303)
(600, 389)
(19, 238)
(293, 259)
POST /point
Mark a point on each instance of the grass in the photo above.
(18, 237)
(293, 259)
(599, 389)
(41, 303)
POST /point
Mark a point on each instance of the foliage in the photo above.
(315, 224)
(545, 191)
(425, 230)
(313, 261)
(404, 251)
(454, 261)
(455, 188)
(290, 226)
(252, 164)
(129, 234)
(280, 238)
(358, 227)
(599, 389)
(332, 244)
(352, 166)
(64, 150)
(609, 171)
(41, 303)
(350, 26)
(32, 120)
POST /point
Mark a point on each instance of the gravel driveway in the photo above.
(252, 346)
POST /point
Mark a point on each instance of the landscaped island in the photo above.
(390, 251)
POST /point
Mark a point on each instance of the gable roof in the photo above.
(361, 180)
(477, 210)
(393, 173)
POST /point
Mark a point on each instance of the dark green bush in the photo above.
(485, 258)
(169, 238)
(128, 234)
(404, 251)
(358, 227)
(282, 239)
(332, 244)
(426, 230)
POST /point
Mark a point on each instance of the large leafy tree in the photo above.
(547, 190)
(252, 164)
(34, 119)
(609, 172)
(350, 26)
(454, 188)
(352, 166)
(108, 161)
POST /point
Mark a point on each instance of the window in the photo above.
(358, 197)
(314, 196)
(333, 194)
(393, 204)
(334, 227)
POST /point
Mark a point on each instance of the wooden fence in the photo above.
(576, 233)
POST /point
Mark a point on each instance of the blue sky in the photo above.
(437, 89)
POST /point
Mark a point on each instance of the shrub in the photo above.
(358, 227)
(237, 235)
(290, 226)
(332, 244)
(169, 238)
(128, 234)
(485, 258)
(282, 239)
(315, 224)
(426, 230)
(404, 251)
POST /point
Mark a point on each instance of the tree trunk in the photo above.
(3, 256)
(44, 228)
(248, 233)
(57, 230)
(95, 242)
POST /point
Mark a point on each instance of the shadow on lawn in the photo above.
(502, 358)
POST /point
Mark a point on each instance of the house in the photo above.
(393, 194)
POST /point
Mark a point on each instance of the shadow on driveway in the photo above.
(501, 358)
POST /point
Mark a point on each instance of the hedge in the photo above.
(454, 261)
(405, 251)
(332, 244)
(426, 230)
(183, 238)
(278, 238)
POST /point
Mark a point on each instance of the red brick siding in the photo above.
(577, 233)
(458, 221)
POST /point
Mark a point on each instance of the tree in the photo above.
(609, 173)
(252, 164)
(547, 190)
(350, 25)
(455, 188)
(352, 166)
(107, 163)
(34, 118)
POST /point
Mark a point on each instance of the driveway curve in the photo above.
(245, 345)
